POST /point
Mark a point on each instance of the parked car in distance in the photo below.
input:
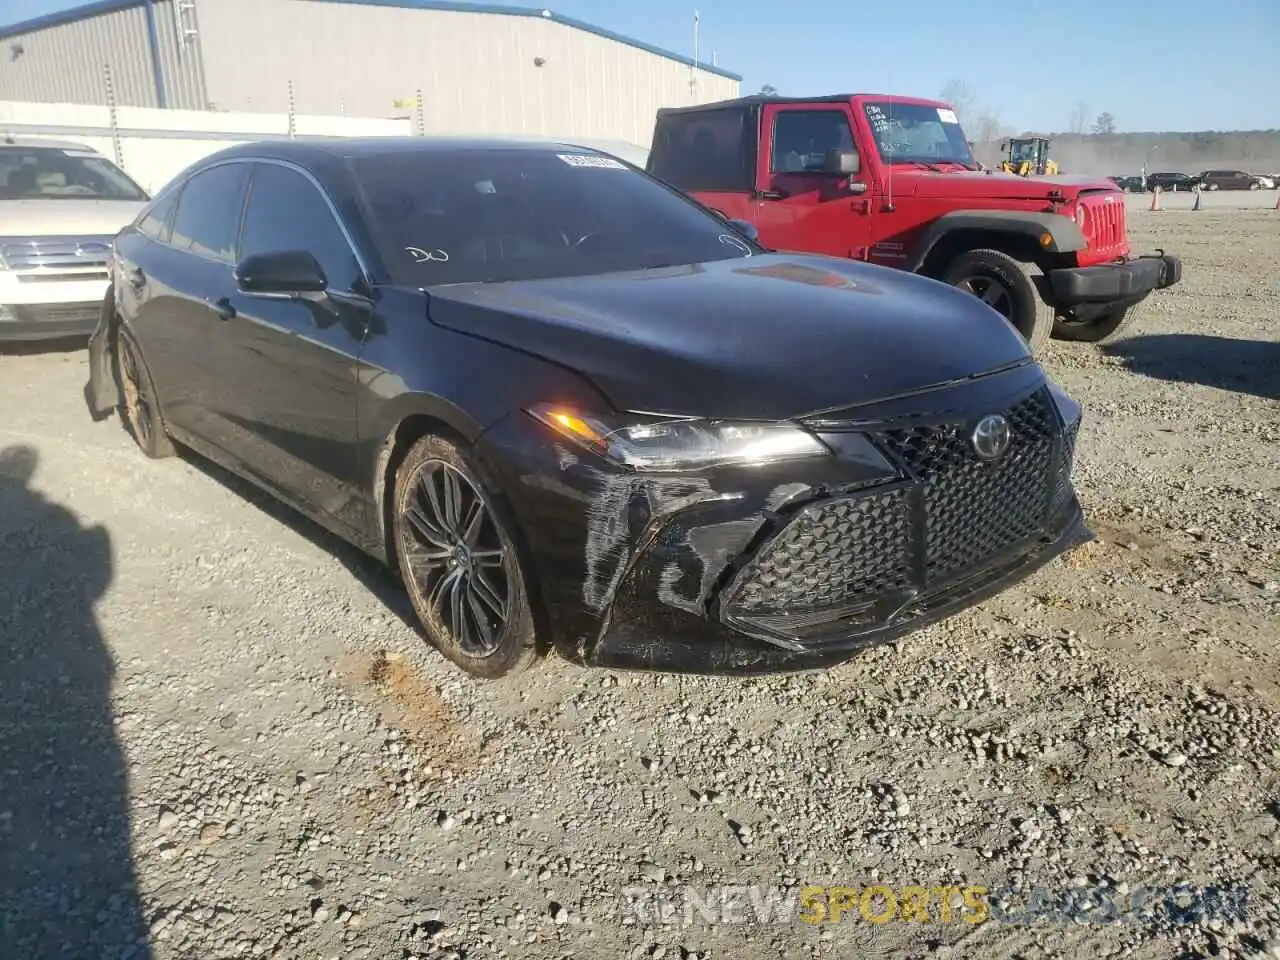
(575, 409)
(1228, 180)
(1266, 181)
(1167, 181)
(1129, 184)
(60, 205)
(891, 180)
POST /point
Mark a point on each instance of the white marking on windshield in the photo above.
(729, 240)
(427, 256)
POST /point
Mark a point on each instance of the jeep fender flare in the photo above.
(1065, 235)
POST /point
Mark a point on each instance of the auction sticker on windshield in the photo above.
(947, 116)
(589, 160)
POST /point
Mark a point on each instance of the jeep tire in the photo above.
(1014, 290)
(1100, 328)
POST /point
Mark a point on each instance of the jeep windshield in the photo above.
(477, 215)
(53, 173)
(909, 133)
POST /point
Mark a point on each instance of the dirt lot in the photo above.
(219, 736)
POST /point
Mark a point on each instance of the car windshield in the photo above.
(53, 173)
(523, 214)
(917, 133)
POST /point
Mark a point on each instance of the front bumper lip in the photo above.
(1128, 280)
(718, 648)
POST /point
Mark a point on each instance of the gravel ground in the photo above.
(219, 738)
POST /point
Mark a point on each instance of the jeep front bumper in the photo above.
(1125, 280)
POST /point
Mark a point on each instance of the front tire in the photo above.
(1014, 290)
(1108, 325)
(140, 408)
(460, 562)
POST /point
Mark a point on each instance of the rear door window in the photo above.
(208, 215)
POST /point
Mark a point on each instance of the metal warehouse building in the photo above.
(454, 67)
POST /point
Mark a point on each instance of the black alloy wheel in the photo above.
(1010, 288)
(139, 408)
(459, 563)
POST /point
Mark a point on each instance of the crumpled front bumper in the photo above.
(1124, 281)
(636, 639)
(102, 391)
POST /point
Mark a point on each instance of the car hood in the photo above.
(66, 216)
(995, 184)
(763, 337)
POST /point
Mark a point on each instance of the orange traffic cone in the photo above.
(1155, 199)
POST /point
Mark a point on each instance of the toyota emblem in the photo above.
(991, 437)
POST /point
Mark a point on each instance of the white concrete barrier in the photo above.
(154, 144)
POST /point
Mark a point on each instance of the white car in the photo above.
(60, 206)
(1265, 182)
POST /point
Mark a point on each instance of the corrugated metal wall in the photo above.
(477, 71)
(64, 64)
(180, 55)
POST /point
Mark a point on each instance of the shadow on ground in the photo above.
(1242, 366)
(67, 883)
(382, 582)
(28, 348)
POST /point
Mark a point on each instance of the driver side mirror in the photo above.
(842, 163)
(746, 228)
(286, 273)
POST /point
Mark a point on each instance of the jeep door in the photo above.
(801, 206)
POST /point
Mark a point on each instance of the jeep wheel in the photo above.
(1096, 330)
(1012, 289)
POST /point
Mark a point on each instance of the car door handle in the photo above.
(773, 195)
(224, 308)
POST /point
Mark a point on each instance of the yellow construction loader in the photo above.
(1026, 156)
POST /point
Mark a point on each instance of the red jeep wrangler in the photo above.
(892, 180)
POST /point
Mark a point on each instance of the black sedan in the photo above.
(577, 410)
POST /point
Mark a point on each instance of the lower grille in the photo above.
(832, 553)
(58, 313)
(868, 554)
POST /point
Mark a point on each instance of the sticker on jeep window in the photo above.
(591, 160)
(947, 116)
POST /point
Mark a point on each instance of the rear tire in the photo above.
(1105, 327)
(460, 562)
(1014, 290)
(140, 408)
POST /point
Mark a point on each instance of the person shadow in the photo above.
(67, 881)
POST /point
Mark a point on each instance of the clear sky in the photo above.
(1152, 64)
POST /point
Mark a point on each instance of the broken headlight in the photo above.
(1068, 409)
(680, 443)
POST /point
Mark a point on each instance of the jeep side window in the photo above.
(803, 138)
(708, 150)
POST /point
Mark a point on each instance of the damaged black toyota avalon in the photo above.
(578, 411)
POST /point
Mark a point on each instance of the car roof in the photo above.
(352, 147)
(760, 99)
(9, 140)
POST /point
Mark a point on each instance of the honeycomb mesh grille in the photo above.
(842, 550)
(974, 510)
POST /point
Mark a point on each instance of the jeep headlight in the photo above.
(680, 443)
